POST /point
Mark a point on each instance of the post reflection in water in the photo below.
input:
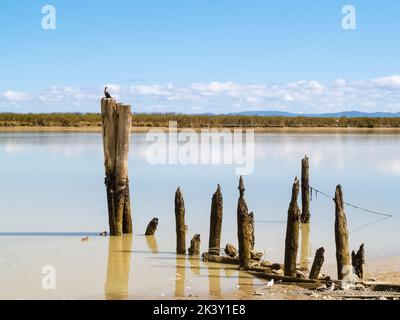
(152, 243)
(180, 275)
(214, 279)
(119, 260)
(245, 282)
(195, 265)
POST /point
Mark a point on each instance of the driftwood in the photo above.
(180, 223)
(292, 232)
(151, 227)
(317, 264)
(341, 236)
(230, 250)
(214, 243)
(220, 259)
(194, 249)
(358, 261)
(245, 234)
(117, 121)
(270, 276)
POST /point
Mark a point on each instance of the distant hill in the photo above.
(343, 114)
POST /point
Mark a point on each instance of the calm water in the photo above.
(53, 182)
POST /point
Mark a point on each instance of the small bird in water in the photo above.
(106, 93)
(85, 239)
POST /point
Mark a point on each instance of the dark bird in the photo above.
(108, 96)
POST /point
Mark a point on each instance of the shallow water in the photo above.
(53, 182)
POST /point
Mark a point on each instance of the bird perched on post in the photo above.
(108, 96)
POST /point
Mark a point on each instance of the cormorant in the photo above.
(108, 96)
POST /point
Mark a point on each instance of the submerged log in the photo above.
(230, 250)
(117, 121)
(358, 261)
(244, 229)
(270, 276)
(214, 243)
(317, 264)
(292, 232)
(151, 227)
(220, 259)
(341, 236)
(180, 223)
(194, 249)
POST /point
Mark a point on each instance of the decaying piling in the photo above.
(151, 227)
(341, 236)
(194, 249)
(358, 261)
(117, 122)
(317, 264)
(292, 232)
(180, 223)
(305, 215)
(214, 243)
(245, 233)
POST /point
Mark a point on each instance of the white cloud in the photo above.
(220, 97)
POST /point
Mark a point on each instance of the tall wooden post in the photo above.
(305, 215)
(292, 232)
(117, 121)
(245, 235)
(341, 236)
(214, 243)
(180, 223)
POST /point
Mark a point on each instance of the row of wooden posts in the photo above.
(117, 120)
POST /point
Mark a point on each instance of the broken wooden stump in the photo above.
(317, 264)
(245, 234)
(341, 236)
(305, 215)
(194, 249)
(230, 250)
(292, 232)
(117, 122)
(358, 261)
(214, 243)
(151, 227)
(180, 223)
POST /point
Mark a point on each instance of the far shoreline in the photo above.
(305, 129)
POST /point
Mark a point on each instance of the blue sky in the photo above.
(200, 55)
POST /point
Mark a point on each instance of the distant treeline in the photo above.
(192, 121)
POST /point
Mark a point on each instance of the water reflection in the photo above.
(214, 280)
(119, 260)
(245, 282)
(152, 243)
(180, 276)
(195, 265)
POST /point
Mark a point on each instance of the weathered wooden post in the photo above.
(180, 223)
(214, 243)
(317, 264)
(194, 249)
(292, 232)
(358, 261)
(341, 236)
(117, 122)
(244, 229)
(305, 215)
(151, 227)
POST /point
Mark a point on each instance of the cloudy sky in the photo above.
(198, 56)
